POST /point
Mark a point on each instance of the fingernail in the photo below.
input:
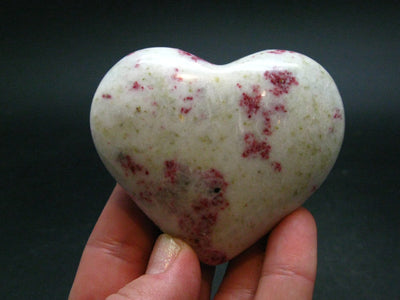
(164, 253)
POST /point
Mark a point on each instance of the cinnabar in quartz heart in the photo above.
(217, 154)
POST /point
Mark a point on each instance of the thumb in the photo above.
(173, 272)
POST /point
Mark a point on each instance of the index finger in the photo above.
(117, 250)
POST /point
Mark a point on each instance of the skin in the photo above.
(122, 260)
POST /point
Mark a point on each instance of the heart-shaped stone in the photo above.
(217, 155)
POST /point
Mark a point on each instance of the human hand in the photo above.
(121, 261)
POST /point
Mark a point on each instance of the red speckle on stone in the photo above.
(239, 85)
(213, 257)
(277, 166)
(197, 221)
(256, 90)
(185, 110)
(146, 195)
(280, 108)
(277, 51)
(137, 86)
(140, 182)
(255, 147)
(192, 57)
(170, 170)
(175, 76)
(216, 184)
(214, 177)
(251, 103)
(338, 114)
(186, 222)
(201, 204)
(282, 81)
(267, 122)
(267, 114)
(137, 65)
(207, 220)
(106, 96)
(129, 165)
(314, 188)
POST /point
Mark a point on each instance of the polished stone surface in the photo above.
(217, 154)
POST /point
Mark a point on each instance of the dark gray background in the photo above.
(53, 186)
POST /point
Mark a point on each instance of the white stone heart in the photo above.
(217, 155)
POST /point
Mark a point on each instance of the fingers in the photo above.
(117, 250)
(290, 264)
(242, 274)
(119, 247)
(173, 273)
(285, 270)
